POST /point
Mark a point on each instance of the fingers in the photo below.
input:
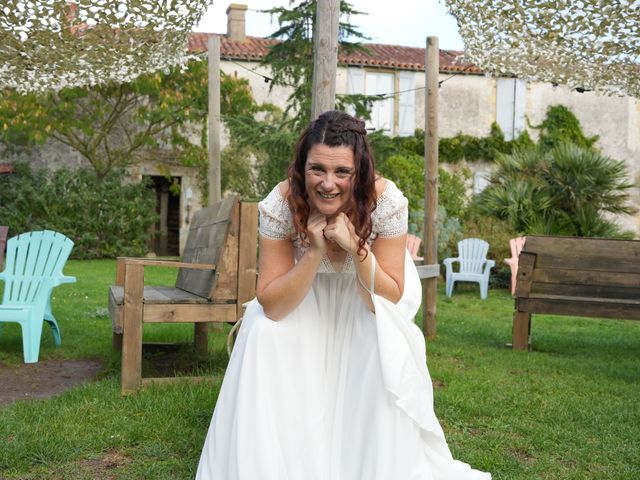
(340, 230)
(315, 228)
(316, 220)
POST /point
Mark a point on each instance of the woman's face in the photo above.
(329, 174)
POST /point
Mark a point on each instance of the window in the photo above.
(395, 115)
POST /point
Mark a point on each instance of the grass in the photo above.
(566, 410)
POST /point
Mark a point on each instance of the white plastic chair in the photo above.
(474, 266)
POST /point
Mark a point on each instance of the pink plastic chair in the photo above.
(413, 245)
(516, 245)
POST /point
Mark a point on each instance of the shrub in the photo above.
(563, 191)
(104, 217)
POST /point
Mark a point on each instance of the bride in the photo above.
(328, 377)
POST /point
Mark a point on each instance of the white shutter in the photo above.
(505, 97)
(355, 85)
(519, 107)
(385, 107)
(406, 104)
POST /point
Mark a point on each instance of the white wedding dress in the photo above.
(332, 391)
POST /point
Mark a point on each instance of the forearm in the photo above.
(285, 293)
(384, 284)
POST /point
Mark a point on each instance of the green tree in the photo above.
(116, 125)
(291, 59)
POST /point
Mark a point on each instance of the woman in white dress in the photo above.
(328, 377)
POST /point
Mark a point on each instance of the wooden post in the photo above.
(215, 183)
(214, 119)
(521, 333)
(132, 336)
(432, 70)
(120, 275)
(325, 57)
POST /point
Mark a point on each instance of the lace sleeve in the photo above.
(391, 216)
(275, 216)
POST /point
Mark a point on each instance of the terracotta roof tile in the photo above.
(376, 55)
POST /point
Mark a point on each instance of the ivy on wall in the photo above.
(451, 149)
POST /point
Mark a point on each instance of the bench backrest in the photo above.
(216, 236)
(579, 267)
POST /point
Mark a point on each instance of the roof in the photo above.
(377, 55)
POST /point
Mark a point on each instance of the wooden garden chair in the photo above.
(216, 276)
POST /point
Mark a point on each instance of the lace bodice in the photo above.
(389, 220)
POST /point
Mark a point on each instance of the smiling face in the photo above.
(329, 175)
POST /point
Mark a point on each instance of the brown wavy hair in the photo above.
(336, 129)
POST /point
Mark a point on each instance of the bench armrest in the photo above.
(151, 262)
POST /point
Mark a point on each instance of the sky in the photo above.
(394, 22)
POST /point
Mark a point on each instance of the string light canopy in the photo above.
(584, 44)
(51, 44)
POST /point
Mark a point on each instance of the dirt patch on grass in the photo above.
(44, 379)
(103, 468)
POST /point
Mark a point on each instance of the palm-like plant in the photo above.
(563, 191)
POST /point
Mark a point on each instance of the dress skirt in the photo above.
(330, 392)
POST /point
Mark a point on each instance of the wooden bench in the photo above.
(216, 276)
(585, 277)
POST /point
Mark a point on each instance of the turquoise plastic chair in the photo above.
(474, 265)
(33, 267)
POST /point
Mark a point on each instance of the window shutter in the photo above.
(505, 98)
(355, 85)
(406, 104)
(519, 107)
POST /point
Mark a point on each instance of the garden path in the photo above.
(44, 379)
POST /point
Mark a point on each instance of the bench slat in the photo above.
(579, 307)
(158, 294)
(586, 246)
(585, 277)
(189, 313)
(588, 291)
(598, 261)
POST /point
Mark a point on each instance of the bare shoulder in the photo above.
(381, 185)
(283, 186)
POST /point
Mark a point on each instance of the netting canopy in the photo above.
(52, 44)
(584, 44)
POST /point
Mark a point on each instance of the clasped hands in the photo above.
(337, 228)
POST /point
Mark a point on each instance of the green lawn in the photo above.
(568, 409)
